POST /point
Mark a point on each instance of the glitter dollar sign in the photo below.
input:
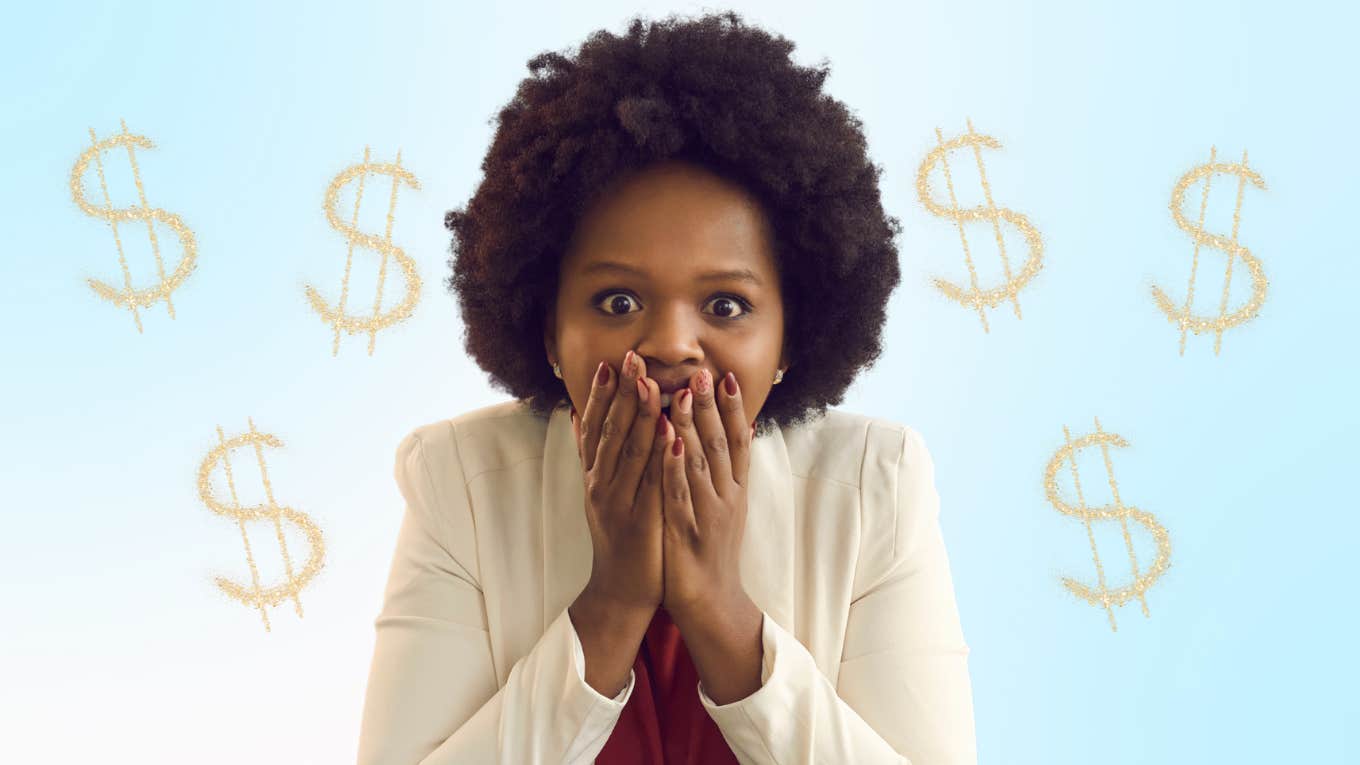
(1102, 594)
(128, 296)
(975, 296)
(1182, 316)
(383, 245)
(254, 595)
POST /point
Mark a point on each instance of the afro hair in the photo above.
(714, 92)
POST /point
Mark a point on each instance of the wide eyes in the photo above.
(725, 306)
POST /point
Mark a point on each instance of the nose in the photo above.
(671, 338)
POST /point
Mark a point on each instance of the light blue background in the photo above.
(118, 647)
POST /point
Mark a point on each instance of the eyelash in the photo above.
(745, 304)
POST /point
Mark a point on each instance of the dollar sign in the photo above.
(129, 296)
(1102, 595)
(337, 316)
(1183, 317)
(974, 296)
(292, 585)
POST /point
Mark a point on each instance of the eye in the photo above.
(618, 302)
(732, 300)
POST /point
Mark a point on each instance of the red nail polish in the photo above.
(678, 446)
(602, 373)
(661, 425)
(731, 382)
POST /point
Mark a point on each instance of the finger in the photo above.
(677, 504)
(618, 421)
(576, 436)
(695, 462)
(708, 423)
(601, 393)
(648, 497)
(638, 448)
(738, 429)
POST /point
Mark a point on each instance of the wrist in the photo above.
(611, 614)
(714, 614)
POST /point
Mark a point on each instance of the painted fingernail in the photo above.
(678, 446)
(661, 424)
(602, 373)
(702, 384)
(731, 381)
(642, 390)
(686, 399)
(629, 364)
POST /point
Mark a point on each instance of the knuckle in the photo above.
(716, 443)
(697, 463)
(632, 450)
(596, 491)
(610, 429)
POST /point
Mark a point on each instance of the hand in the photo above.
(704, 504)
(616, 439)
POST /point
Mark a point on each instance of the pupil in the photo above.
(619, 304)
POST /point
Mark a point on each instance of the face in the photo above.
(643, 274)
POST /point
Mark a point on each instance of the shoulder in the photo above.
(848, 447)
(435, 461)
(476, 441)
(890, 467)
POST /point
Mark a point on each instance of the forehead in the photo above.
(678, 215)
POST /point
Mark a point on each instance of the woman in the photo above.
(676, 261)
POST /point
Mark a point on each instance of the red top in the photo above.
(664, 722)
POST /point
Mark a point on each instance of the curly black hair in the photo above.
(712, 91)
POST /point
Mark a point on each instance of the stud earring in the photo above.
(778, 376)
(557, 370)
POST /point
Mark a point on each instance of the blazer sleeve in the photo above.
(903, 694)
(432, 697)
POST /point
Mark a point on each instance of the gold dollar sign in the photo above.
(129, 296)
(1183, 317)
(1102, 595)
(974, 296)
(254, 595)
(403, 310)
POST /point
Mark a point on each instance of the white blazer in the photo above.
(476, 659)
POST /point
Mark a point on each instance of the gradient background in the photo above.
(117, 646)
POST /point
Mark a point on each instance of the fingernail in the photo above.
(642, 390)
(573, 411)
(731, 381)
(678, 446)
(686, 398)
(629, 365)
(703, 382)
(661, 424)
(602, 373)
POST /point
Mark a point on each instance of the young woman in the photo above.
(667, 548)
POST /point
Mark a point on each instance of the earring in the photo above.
(778, 376)
(557, 370)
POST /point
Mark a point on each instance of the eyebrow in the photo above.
(740, 274)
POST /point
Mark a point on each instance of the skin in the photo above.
(671, 224)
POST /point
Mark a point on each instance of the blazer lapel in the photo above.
(767, 547)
